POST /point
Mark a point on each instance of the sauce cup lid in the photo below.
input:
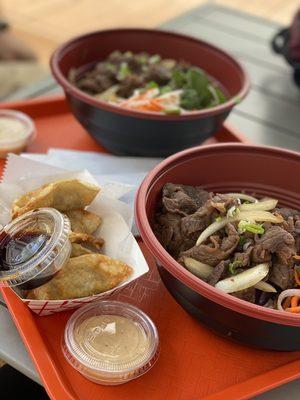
(110, 342)
(29, 130)
(30, 243)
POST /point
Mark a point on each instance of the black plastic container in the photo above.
(128, 132)
(224, 168)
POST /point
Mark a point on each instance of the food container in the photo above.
(110, 342)
(135, 133)
(17, 130)
(266, 171)
(33, 247)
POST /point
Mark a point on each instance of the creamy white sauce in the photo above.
(112, 339)
(11, 130)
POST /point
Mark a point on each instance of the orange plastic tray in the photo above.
(194, 363)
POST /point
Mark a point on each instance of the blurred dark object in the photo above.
(16, 386)
(287, 43)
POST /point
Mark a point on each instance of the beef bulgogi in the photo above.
(244, 246)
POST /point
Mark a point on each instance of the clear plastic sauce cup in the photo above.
(17, 130)
(33, 247)
(110, 342)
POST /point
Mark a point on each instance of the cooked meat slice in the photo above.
(260, 255)
(297, 225)
(246, 294)
(214, 252)
(282, 274)
(198, 221)
(167, 229)
(183, 199)
(288, 225)
(168, 232)
(129, 84)
(287, 212)
(297, 244)
(159, 74)
(222, 203)
(275, 238)
(218, 273)
(244, 257)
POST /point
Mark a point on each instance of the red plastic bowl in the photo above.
(130, 132)
(224, 168)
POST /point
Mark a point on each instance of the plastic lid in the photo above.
(30, 243)
(110, 342)
(16, 129)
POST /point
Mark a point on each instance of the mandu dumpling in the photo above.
(83, 276)
(63, 195)
(84, 238)
(79, 250)
(83, 221)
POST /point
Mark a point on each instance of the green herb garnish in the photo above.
(244, 226)
(178, 79)
(242, 240)
(152, 85)
(123, 71)
(232, 267)
(190, 100)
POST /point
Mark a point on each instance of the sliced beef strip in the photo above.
(282, 274)
(287, 212)
(168, 232)
(297, 225)
(222, 203)
(199, 220)
(288, 225)
(218, 273)
(183, 199)
(214, 252)
(297, 240)
(167, 228)
(244, 257)
(279, 241)
(158, 73)
(275, 238)
(260, 255)
(246, 294)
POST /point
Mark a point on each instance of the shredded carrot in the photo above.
(293, 309)
(297, 258)
(294, 301)
(286, 303)
(297, 278)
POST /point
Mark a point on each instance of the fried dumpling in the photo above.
(79, 250)
(63, 195)
(83, 276)
(79, 237)
(83, 221)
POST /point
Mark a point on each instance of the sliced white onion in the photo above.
(260, 216)
(260, 205)
(252, 216)
(286, 293)
(198, 268)
(242, 196)
(212, 228)
(244, 280)
(265, 287)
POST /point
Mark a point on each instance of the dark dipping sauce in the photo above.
(18, 249)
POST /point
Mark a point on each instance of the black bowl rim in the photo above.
(179, 272)
(72, 90)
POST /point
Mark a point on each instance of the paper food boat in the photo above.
(22, 175)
